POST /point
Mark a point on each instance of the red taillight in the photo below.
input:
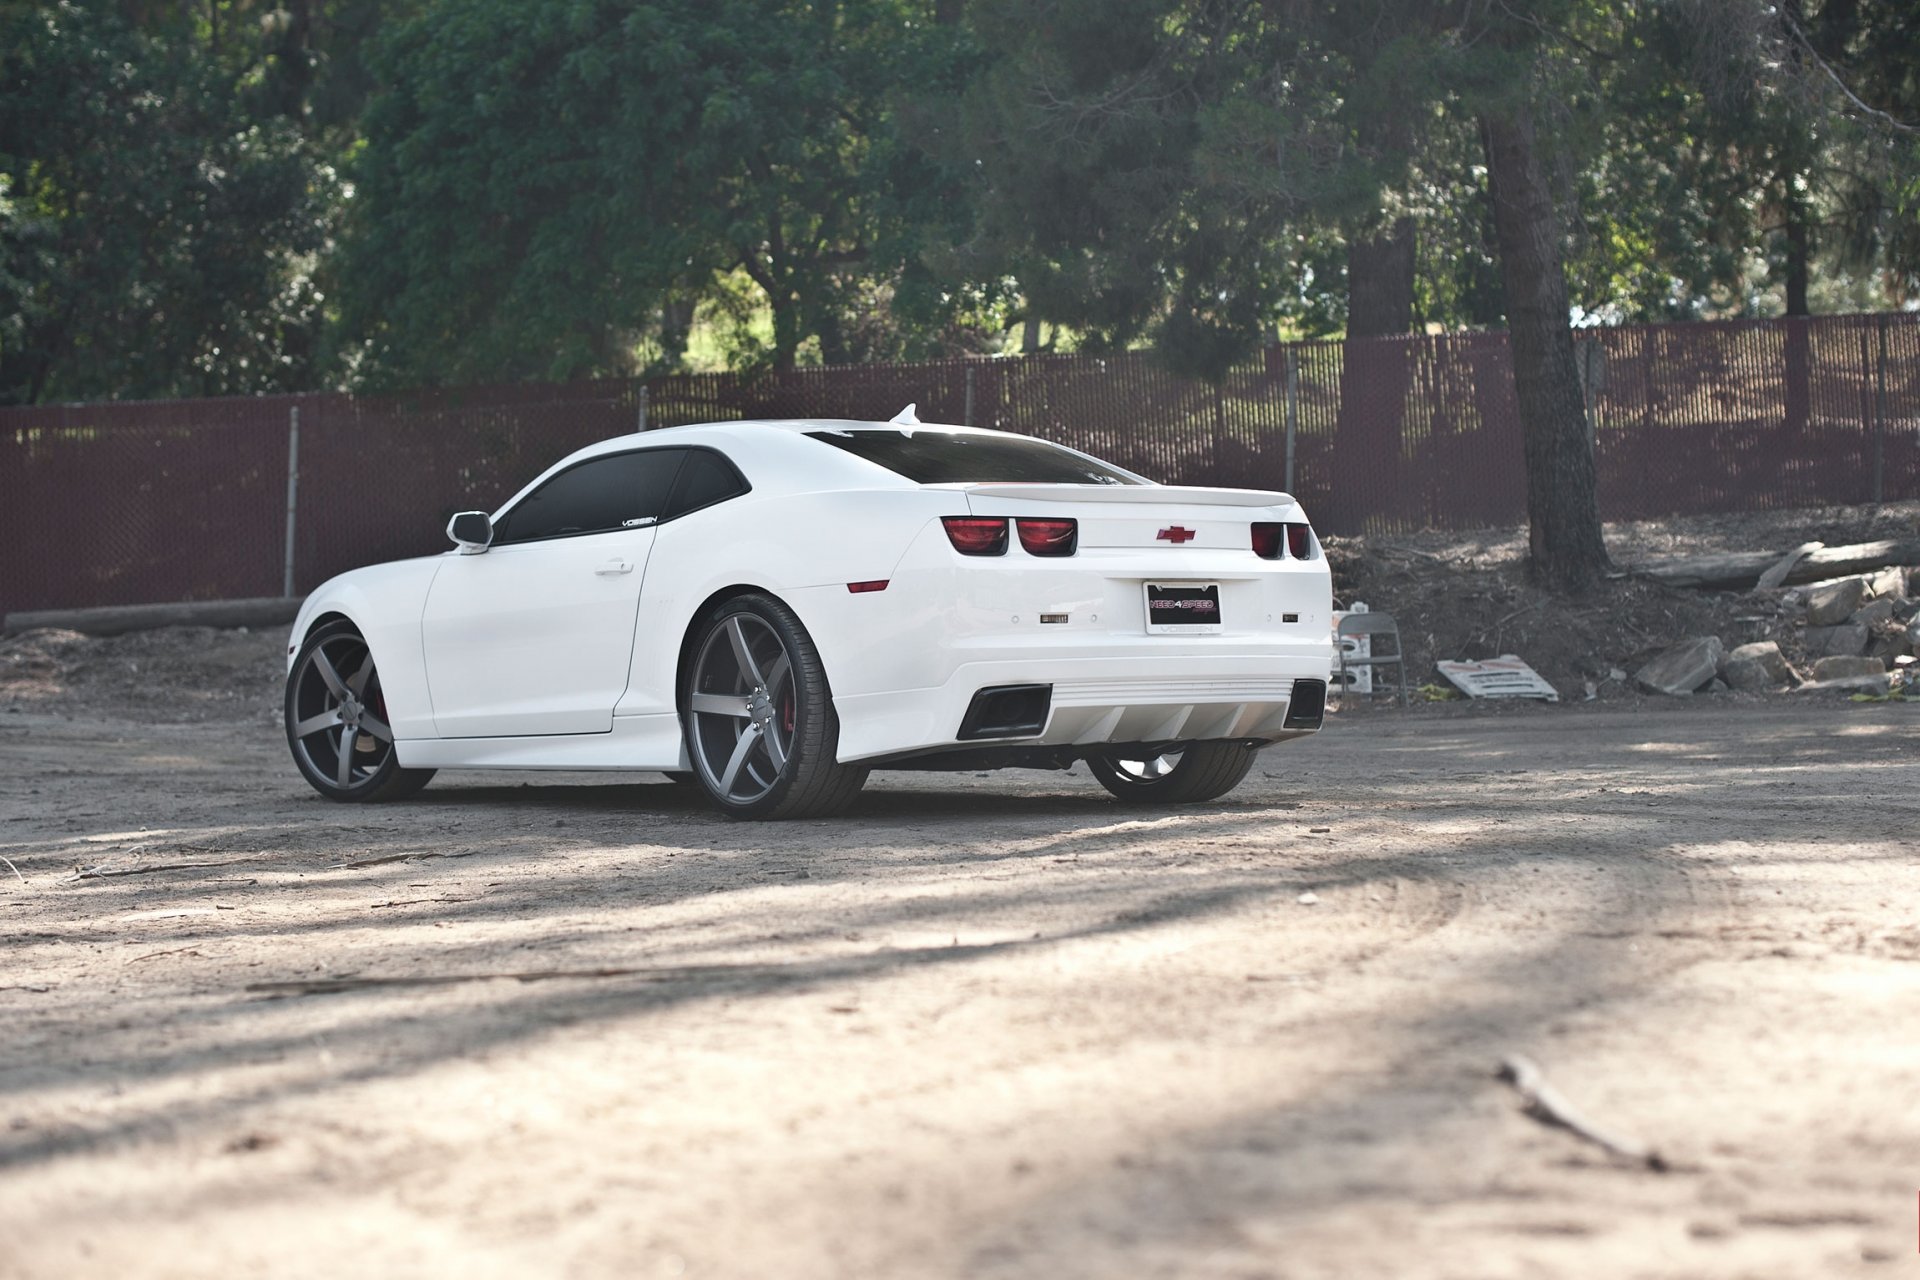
(861, 588)
(977, 535)
(1048, 537)
(1270, 539)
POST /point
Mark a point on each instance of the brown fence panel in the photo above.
(381, 475)
(135, 503)
(139, 502)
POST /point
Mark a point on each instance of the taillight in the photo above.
(1048, 537)
(977, 535)
(1269, 539)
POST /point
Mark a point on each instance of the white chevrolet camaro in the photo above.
(769, 610)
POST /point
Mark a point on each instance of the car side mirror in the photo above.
(471, 531)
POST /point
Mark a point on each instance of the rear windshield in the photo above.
(948, 457)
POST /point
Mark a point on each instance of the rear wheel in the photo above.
(337, 724)
(758, 716)
(1199, 771)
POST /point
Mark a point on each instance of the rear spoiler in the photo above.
(1145, 494)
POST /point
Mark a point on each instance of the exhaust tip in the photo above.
(1007, 711)
(1308, 705)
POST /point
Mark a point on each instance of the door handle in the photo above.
(612, 567)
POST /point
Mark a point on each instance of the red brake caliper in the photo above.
(786, 710)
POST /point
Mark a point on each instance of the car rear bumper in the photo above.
(1096, 700)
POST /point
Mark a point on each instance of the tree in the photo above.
(154, 239)
(544, 183)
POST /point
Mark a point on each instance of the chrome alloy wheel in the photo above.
(741, 705)
(1194, 771)
(1147, 772)
(336, 718)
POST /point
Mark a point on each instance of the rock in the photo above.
(1889, 584)
(1684, 667)
(1913, 637)
(1873, 613)
(1757, 666)
(1848, 641)
(1717, 685)
(1841, 668)
(1888, 646)
(1830, 603)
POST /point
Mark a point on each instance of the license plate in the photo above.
(1183, 608)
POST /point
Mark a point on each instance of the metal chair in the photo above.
(1373, 625)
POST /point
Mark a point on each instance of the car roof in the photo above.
(772, 452)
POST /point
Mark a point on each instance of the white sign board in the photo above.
(1502, 677)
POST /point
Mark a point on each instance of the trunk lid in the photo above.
(1169, 517)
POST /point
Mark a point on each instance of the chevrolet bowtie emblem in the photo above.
(1177, 535)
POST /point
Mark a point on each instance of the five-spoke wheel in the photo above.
(1198, 771)
(760, 728)
(337, 724)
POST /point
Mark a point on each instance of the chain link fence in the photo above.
(129, 503)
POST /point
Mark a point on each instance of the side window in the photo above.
(706, 478)
(598, 495)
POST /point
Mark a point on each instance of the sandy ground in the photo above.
(988, 1026)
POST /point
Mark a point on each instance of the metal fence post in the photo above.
(293, 493)
(1293, 409)
(643, 409)
(1880, 414)
(969, 417)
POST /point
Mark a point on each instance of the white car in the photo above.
(769, 610)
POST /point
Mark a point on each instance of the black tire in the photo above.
(1196, 772)
(333, 692)
(760, 729)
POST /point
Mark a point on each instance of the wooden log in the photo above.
(113, 620)
(1777, 576)
(1742, 570)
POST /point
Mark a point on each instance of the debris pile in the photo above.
(1692, 610)
(1850, 634)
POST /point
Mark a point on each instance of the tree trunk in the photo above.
(1374, 379)
(1796, 261)
(786, 330)
(676, 327)
(1799, 398)
(1380, 282)
(1563, 517)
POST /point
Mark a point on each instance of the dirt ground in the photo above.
(987, 1026)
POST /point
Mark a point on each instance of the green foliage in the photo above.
(1143, 166)
(558, 188)
(541, 178)
(155, 240)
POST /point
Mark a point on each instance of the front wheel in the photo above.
(336, 715)
(1199, 771)
(758, 716)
